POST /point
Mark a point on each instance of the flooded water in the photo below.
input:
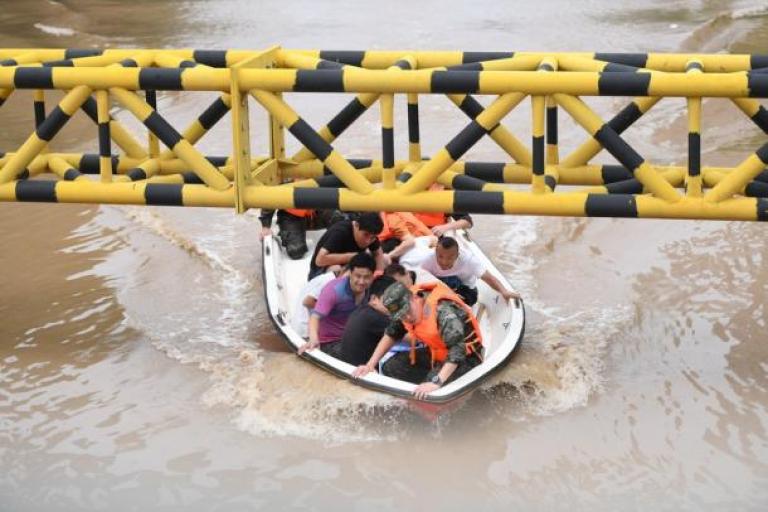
(139, 369)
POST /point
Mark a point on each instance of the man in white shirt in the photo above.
(307, 299)
(461, 271)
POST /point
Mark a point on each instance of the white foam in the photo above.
(55, 31)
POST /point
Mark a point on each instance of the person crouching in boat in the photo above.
(345, 239)
(293, 224)
(460, 271)
(337, 300)
(433, 314)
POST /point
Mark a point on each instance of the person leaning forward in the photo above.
(346, 238)
(436, 316)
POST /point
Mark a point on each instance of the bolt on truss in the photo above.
(534, 180)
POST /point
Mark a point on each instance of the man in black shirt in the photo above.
(366, 325)
(346, 238)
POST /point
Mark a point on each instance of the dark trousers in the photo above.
(332, 348)
(399, 366)
(467, 294)
(293, 229)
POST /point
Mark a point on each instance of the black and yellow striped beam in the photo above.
(461, 143)
(616, 146)
(313, 141)
(693, 179)
(171, 138)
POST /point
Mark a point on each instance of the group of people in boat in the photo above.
(367, 301)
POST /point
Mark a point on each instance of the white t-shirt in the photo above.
(415, 256)
(300, 318)
(467, 268)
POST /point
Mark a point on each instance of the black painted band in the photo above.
(455, 81)
(758, 85)
(213, 58)
(464, 182)
(491, 172)
(348, 115)
(636, 60)
(350, 57)
(192, 178)
(388, 147)
(162, 79)
(471, 107)
(614, 173)
(33, 78)
(310, 138)
(76, 53)
(321, 80)
(464, 141)
(761, 118)
(36, 190)
(550, 182)
(625, 118)
(623, 84)
(164, 131)
(481, 56)
(470, 201)
(611, 205)
(413, 123)
(164, 194)
(213, 114)
(105, 143)
(552, 125)
(52, 124)
(538, 155)
(694, 154)
(137, 173)
(71, 174)
(39, 113)
(316, 198)
(630, 186)
(617, 147)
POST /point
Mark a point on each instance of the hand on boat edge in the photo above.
(362, 371)
(425, 388)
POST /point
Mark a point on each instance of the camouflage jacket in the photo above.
(454, 328)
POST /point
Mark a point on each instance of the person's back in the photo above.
(366, 325)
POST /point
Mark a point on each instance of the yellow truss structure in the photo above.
(530, 183)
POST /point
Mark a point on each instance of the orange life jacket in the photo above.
(431, 219)
(418, 227)
(300, 212)
(427, 330)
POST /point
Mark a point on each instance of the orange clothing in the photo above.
(300, 212)
(399, 224)
(431, 219)
(427, 330)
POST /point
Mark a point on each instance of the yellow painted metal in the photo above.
(592, 123)
(34, 144)
(102, 109)
(335, 162)
(736, 180)
(693, 182)
(590, 148)
(183, 149)
(487, 119)
(387, 106)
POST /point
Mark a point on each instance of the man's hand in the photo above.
(423, 389)
(310, 345)
(507, 294)
(440, 230)
(265, 231)
(362, 371)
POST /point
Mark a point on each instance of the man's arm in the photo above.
(406, 242)
(314, 339)
(460, 221)
(326, 259)
(496, 285)
(385, 343)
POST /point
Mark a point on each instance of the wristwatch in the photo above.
(436, 380)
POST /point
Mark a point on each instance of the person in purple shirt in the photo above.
(338, 299)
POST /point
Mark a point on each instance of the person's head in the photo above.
(400, 302)
(398, 272)
(447, 252)
(361, 268)
(366, 227)
(378, 287)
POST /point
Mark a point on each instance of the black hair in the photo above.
(446, 242)
(370, 222)
(380, 285)
(412, 273)
(362, 260)
(394, 269)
